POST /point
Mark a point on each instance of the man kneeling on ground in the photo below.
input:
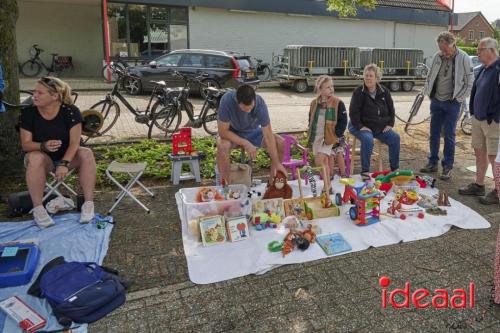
(243, 121)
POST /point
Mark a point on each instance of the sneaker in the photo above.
(42, 218)
(472, 189)
(446, 173)
(490, 199)
(87, 212)
(429, 168)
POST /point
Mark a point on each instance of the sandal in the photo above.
(365, 176)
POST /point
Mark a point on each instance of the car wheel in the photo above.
(408, 85)
(208, 83)
(395, 86)
(300, 86)
(132, 85)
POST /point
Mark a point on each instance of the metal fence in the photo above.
(338, 61)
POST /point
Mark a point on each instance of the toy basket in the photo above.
(192, 210)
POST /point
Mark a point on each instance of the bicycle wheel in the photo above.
(110, 112)
(210, 122)
(31, 68)
(466, 125)
(113, 75)
(165, 118)
(265, 75)
(414, 111)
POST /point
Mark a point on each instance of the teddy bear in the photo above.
(279, 188)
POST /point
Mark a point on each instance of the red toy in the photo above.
(181, 142)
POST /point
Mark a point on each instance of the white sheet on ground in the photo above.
(231, 260)
(67, 238)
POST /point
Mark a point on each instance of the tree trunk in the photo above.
(9, 138)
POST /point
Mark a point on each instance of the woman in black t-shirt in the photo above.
(50, 136)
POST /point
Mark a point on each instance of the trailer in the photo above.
(402, 68)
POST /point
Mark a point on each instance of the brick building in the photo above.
(471, 27)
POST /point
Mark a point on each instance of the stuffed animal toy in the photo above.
(207, 194)
(278, 188)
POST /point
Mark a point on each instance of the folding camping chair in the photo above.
(134, 171)
(52, 187)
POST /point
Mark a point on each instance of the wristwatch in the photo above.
(64, 163)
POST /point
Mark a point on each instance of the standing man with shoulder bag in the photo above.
(449, 83)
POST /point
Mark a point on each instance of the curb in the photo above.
(96, 84)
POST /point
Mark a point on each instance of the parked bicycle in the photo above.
(170, 116)
(110, 110)
(34, 65)
(466, 122)
(117, 62)
(266, 71)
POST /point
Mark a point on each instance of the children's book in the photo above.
(213, 230)
(333, 244)
(237, 228)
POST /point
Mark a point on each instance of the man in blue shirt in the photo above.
(243, 120)
(485, 108)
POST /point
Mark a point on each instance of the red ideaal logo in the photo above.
(438, 299)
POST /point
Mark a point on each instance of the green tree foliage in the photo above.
(347, 8)
(9, 139)
(470, 50)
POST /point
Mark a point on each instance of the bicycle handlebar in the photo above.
(192, 79)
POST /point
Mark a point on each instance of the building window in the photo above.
(481, 34)
(471, 34)
(146, 32)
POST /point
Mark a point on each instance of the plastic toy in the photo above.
(275, 246)
(288, 161)
(402, 211)
(400, 177)
(263, 221)
(181, 142)
(366, 199)
(425, 181)
(18, 262)
(406, 197)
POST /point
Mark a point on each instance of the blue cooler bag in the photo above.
(80, 292)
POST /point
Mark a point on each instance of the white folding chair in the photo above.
(52, 187)
(134, 171)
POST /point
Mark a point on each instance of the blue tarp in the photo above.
(67, 238)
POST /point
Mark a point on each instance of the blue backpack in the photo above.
(80, 292)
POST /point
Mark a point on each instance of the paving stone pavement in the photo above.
(339, 294)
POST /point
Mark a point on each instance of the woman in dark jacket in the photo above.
(372, 115)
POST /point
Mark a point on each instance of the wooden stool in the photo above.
(194, 166)
(356, 153)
